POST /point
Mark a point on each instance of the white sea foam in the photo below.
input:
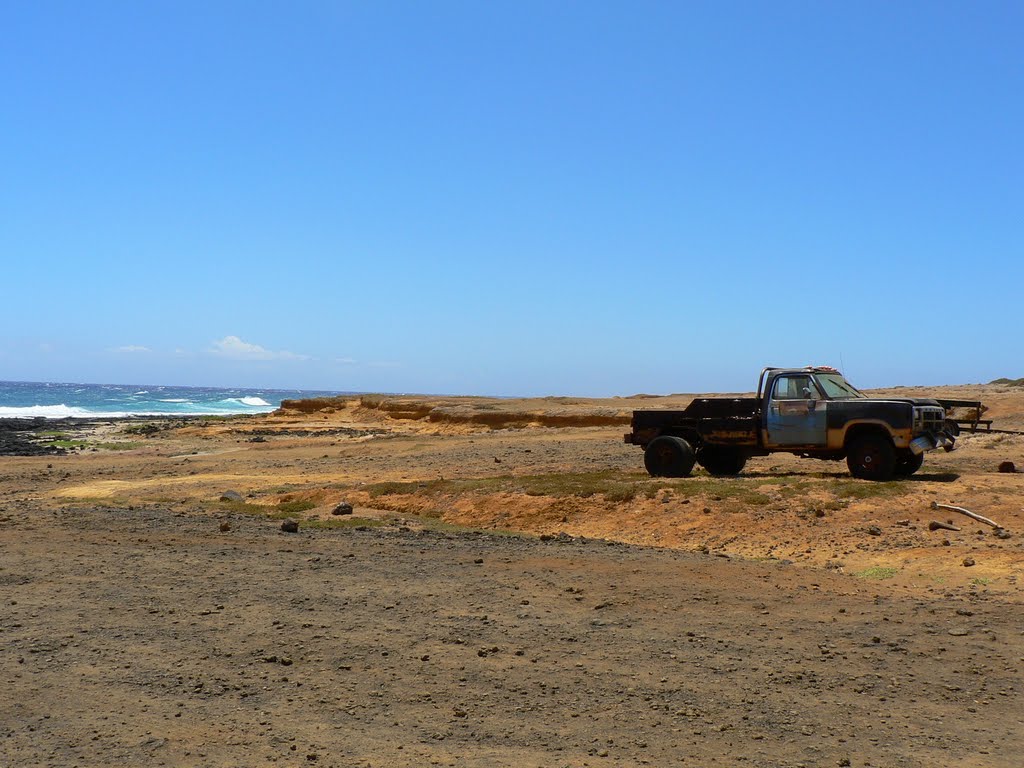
(53, 412)
(256, 402)
(174, 400)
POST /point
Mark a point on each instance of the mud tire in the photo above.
(871, 457)
(721, 460)
(668, 456)
(907, 464)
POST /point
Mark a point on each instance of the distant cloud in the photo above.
(131, 349)
(345, 360)
(234, 348)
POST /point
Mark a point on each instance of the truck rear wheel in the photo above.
(907, 464)
(722, 460)
(668, 456)
(871, 457)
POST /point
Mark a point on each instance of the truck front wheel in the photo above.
(871, 457)
(907, 464)
(722, 460)
(668, 456)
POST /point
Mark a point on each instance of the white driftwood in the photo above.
(962, 511)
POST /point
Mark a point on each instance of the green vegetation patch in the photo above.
(344, 522)
(294, 507)
(626, 486)
(67, 444)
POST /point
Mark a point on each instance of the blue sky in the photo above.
(513, 198)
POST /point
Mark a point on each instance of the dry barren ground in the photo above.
(510, 590)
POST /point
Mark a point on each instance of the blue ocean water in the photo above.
(29, 399)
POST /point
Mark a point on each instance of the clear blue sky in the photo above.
(589, 198)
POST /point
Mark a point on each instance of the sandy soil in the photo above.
(510, 590)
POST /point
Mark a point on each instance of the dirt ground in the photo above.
(510, 590)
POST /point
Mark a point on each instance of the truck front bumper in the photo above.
(932, 442)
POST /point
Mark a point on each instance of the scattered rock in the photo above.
(935, 525)
(290, 526)
(1007, 466)
(342, 509)
(225, 526)
(1002, 533)
(874, 530)
(231, 496)
(958, 632)
(968, 562)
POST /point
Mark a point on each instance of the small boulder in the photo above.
(342, 509)
(231, 496)
(290, 526)
(1007, 467)
(968, 562)
(225, 527)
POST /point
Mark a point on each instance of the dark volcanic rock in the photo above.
(342, 509)
(17, 439)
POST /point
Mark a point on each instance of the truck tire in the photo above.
(907, 464)
(722, 460)
(871, 457)
(669, 457)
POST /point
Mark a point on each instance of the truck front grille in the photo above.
(928, 419)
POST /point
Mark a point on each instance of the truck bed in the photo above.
(719, 420)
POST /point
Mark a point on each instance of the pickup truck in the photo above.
(812, 412)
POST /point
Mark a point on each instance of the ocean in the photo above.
(24, 399)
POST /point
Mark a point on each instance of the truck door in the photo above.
(796, 413)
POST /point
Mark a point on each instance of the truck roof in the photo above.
(805, 369)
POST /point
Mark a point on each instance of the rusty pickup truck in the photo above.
(812, 412)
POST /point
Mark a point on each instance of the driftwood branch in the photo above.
(935, 525)
(962, 511)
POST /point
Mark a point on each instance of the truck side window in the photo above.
(795, 388)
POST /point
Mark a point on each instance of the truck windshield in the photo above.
(836, 387)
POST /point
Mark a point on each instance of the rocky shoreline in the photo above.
(27, 436)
